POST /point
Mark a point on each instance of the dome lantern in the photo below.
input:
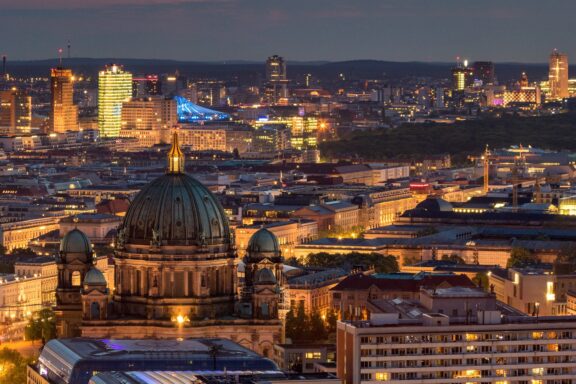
(175, 157)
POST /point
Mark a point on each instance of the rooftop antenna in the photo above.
(69, 49)
(3, 66)
(60, 50)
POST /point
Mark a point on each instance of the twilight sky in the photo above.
(200, 30)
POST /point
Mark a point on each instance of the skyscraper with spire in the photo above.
(558, 75)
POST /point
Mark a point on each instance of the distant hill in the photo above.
(245, 70)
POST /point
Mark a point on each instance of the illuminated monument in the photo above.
(176, 272)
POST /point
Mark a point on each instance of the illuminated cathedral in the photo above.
(175, 272)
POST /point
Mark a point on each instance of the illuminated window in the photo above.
(537, 335)
(76, 279)
(537, 371)
(313, 355)
(471, 337)
(550, 296)
(382, 376)
(552, 347)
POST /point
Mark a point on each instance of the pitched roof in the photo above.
(402, 282)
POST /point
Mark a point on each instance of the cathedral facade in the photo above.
(175, 272)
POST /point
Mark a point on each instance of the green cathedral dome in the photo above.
(175, 209)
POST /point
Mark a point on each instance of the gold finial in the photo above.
(175, 157)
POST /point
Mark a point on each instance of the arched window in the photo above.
(76, 280)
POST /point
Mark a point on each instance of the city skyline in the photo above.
(251, 30)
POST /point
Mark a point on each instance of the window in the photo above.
(76, 279)
(382, 376)
(313, 355)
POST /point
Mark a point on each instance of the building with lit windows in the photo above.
(455, 335)
(529, 95)
(303, 130)
(484, 72)
(19, 234)
(276, 83)
(201, 138)
(149, 120)
(462, 76)
(271, 138)
(114, 88)
(534, 291)
(15, 111)
(289, 233)
(63, 112)
(558, 75)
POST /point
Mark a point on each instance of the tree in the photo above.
(521, 257)
(453, 258)
(381, 263)
(481, 280)
(317, 326)
(42, 326)
(331, 320)
(23, 253)
(14, 366)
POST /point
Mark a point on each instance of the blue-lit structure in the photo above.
(188, 112)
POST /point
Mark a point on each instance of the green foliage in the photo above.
(381, 263)
(453, 258)
(23, 252)
(521, 257)
(14, 367)
(42, 326)
(415, 141)
(301, 327)
(481, 280)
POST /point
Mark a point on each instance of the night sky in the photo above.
(305, 30)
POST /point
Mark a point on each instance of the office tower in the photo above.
(15, 111)
(63, 113)
(462, 76)
(148, 120)
(114, 87)
(484, 72)
(172, 84)
(146, 85)
(276, 82)
(558, 75)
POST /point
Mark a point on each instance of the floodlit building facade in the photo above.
(63, 113)
(558, 75)
(114, 88)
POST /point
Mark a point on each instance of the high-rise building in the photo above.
(114, 87)
(146, 85)
(558, 75)
(149, 120)
(15, 111)
(484, 72)
(462, 76)
(63, 113)
(276, 82)
(444, 338)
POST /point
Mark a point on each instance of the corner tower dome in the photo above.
(75, 241)
(264, 241)
(175, 209)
